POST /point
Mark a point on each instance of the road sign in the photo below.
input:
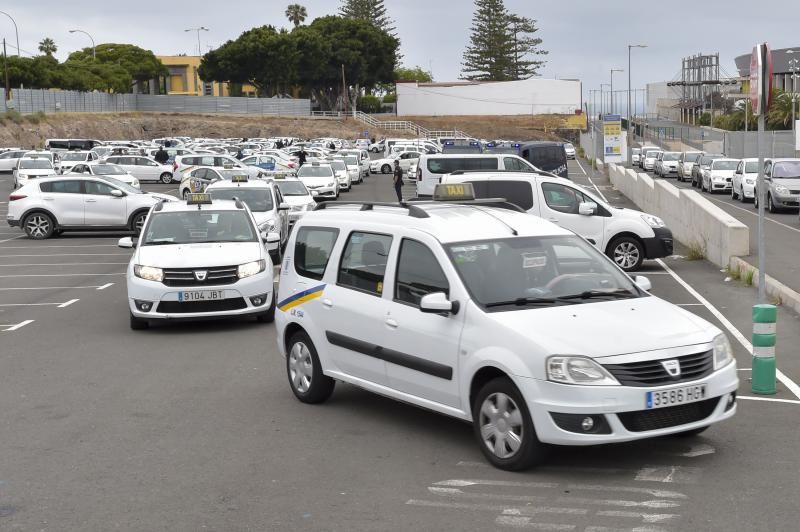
(612, 139)
(760, 78)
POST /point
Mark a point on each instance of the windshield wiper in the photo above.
(590, 294)
(159, 243)
(528, 301)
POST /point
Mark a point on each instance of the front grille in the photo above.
(216, 275)
(671, 416)
(652, 373)
(794, 192)
(189, 307)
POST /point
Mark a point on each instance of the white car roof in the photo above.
(216, 205)
(225, 184)
(502, 176)
(446, 222)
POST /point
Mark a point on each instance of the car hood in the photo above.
(35, 172)
(298, 200)
(793, 182)
(625, 326)
(722, 173)
(199, 255)
(317, 181)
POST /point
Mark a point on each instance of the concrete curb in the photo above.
(775, 289)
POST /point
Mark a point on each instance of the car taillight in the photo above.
(15, 197)
(419, 174)
(174, 166)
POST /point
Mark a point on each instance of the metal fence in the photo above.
(739, 144)
(34, 100)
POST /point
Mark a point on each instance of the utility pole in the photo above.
(612, 87)
(5, 67)
(345, 96)
(630, 137)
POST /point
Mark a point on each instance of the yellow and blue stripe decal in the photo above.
(301, 297)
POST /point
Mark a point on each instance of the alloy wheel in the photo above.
(38, 226)
(626, 255)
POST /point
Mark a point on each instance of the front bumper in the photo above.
(235, 303)
(617, 405)
(667, 170)
(717, 185)
(791, 200)
(324, 192)
(660, 245)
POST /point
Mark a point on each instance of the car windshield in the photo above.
(258, 199)
(338, 165)
(123, 185)
(73, 156)
(292, 188)
(537, 271)
(751, 167)
(315, 171)
(651, 154)
(35, 164)
(691, 157)
(724, 165)
(671, 156)
(351, 161)
(198, 227)
(786, 169)
(108, 169)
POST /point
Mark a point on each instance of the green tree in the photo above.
(140, 64)
(490, 54)
(525, 47)
(779, 115)
(48, 46)
(296, 14)
(374, 12)
(416, 74)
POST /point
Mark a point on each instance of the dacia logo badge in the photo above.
(200, 275)
(673, 367)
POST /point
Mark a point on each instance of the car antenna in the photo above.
(513, 231)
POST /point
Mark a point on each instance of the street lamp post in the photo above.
(793, 66)
(198, 30)
(630, 146)
(603, 109)
(16, 31)
(94, 54)
(612, 87)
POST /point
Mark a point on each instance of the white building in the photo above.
(663, 101)
(525, 97)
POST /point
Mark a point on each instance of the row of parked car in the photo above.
(716, 173)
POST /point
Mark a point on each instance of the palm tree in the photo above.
(779, 115)
(48, 46)
(296, 14)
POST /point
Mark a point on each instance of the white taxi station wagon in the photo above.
(471, 310)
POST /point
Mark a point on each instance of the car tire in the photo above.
(771, 207)
(137, 222)
(386, 169)
(755, 199)
(38, 226)
(627, 253)
(733, 193)
(309, 384)
(185, 194)
(503, 428)
(269, 315)
(276, 256)
(165, 178)
(138, 324)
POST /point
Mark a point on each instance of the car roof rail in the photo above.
(500, 203)
(413, 210)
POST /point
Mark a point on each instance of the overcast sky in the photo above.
(585, 38)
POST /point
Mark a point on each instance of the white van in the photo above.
(624, 235)
(431, 167)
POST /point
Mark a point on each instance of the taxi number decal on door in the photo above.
(301, 297)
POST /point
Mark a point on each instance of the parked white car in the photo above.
(297, 196)
(743, 186)
(718, 176)
(143, 168)
(9, 159)
(319, 178)
(71, 158)
(386, 166)
(103, 168)
(32, 168)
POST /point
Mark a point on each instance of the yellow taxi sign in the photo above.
(239, 179)
(198, 199)
(454, 192)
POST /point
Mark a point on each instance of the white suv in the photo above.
(472, 312)
(49, 206)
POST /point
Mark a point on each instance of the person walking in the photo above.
(301, 156)
(161, 155)
(398, 181)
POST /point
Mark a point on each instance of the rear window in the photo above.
(517, 192)
(447, 165)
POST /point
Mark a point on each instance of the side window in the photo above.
(62, 187)
(364, 261)
(562, 198)
(512, 164)
(418, 273)
(98, 189)
(312, 250)
(200, 173)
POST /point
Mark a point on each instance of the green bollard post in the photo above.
(764, 333)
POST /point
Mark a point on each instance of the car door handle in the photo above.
(391, 323)
(47, 198)
(554, 220)
(91, 201)
(327, 303)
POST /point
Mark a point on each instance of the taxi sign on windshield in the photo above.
(239, 179)
(454, 192)
(198, 199)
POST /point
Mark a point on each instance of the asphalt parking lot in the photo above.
(194, 427)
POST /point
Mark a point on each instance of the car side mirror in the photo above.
(314, 193)
(127, 243)
(437, 303)
(270, 238)
(117, 193)
(283, 207)
(643, 283)
(588, 208)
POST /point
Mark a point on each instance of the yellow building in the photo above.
(184, 80)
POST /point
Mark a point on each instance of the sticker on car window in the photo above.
(534, 260)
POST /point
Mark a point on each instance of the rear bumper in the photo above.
(659, 246)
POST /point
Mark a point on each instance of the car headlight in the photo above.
(653, 221)
(148, 273)
(269, 225)
(135, 183)
(780, 189)
(578, 370)
(723, 354)
(331, 184)
(251, 268)
(750, 181)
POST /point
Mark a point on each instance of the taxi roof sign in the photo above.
(198, 199)
(239, 179)
(454, 192)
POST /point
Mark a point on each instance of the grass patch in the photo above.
(36, 117)
(697, 251)
(748, 276)
(735, 273)
(581, 152)
(12, 116)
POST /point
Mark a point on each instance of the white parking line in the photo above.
(58, 246)
(10, 239)
(72, 255)
(96, 287)
(590, 180)
(19, 325)
(59, 274)
(769, 399)
(755, 214)
(105, 286)
(786, 381)
(68, 303)
(31, 304)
